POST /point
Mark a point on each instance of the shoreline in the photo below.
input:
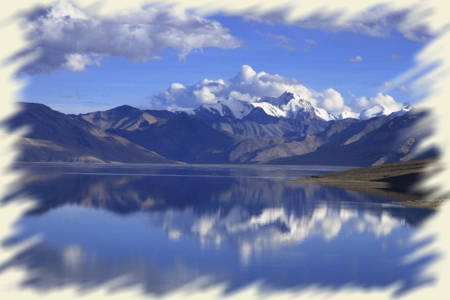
(395, 181)
(182, 164)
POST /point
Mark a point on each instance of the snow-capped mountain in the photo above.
(164, 136)
(290, 106)
(226, 108)
(348, 115)
(382, 110)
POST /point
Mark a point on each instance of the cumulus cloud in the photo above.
(387, 102)
(246, 85)
(381, 104)
(262, 84)
(249, 86)
(363, 102)
(180, 96)
(66, 37)
(333, 102)
(78, 62)
(356, 59)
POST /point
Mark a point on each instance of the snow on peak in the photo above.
(289, 105)
(229, 108)
(284, 99)
(382, 110)
(348, 115)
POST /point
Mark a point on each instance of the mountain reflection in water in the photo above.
(163, 227)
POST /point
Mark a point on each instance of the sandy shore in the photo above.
(396, 181)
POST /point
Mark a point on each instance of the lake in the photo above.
(163, 227)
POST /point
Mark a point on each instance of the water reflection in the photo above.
(164, 227)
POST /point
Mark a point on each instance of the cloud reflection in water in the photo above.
(232, 229)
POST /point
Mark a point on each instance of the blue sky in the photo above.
(317, 58)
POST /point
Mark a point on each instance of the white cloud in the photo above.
(66, 37)
(78, 62)
(263, 84)
(180, 96)
(247, 85)
(386, 101)
(362, 17)
(363, 102)
(382, 102)
(204, 95)
(235, 95)
(356, 59)
(177, 86)
(333, 101)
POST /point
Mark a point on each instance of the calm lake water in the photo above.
(163, 227)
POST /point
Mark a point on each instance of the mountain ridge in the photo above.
(54, 136)
(129, 134)
(291, 106)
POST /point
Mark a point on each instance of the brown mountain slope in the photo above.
(54, 136)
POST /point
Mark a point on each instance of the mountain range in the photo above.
(283, 130)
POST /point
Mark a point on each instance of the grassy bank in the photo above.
(395, 181)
